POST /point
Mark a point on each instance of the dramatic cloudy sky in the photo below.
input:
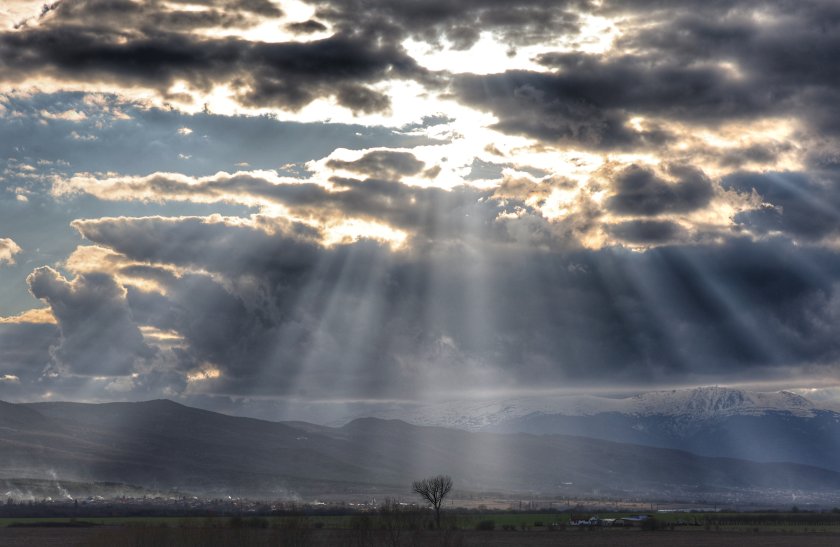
(256, 204)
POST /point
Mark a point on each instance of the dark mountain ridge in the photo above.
(159, 444)
(772, 436)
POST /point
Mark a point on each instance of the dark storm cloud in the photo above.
(756, 153)
(197, 241)
(647, 231)
(485, 291)
(802, 206)
(460, 23)
(98, 334)
(270, 311)
(235, 329)
(526, 104)
(24, 348)
(155, 14)
(639, 191)
(792, 45)
(289, 313)
(294, 74)
(681, 311)
(784, 52)
(266, 8)
(288, 75)
(381, 164)
(85, 11)
(693, 62)
(589, 100)
(645, 7)
(696, 92)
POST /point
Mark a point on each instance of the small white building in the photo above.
(584, 520)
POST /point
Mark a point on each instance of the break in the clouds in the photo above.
(321, 200)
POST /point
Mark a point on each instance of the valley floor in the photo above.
(207, 537)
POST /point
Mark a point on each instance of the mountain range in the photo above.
(713, 421)
(162, 444)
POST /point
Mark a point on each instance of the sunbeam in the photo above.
(560, 256)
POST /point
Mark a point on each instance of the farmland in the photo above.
(198, 536)
(411, 529)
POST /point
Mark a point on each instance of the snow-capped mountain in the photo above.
(714, 402)
(715, 421)
(697, 404)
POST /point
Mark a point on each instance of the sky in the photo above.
(276, 208)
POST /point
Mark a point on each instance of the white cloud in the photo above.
(8, 250)
(68, 115)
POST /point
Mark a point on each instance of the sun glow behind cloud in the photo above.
(349, 231)
(205, 373)
(612, 156)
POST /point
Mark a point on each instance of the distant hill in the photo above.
(710, 421)
(162, 444)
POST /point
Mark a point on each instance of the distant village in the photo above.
(577, 519)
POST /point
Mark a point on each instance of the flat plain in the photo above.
(209, 537)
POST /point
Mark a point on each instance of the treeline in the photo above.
(49, 509)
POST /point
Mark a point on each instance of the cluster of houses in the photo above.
(586, 520)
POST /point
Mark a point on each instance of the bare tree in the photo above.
(434, 490)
